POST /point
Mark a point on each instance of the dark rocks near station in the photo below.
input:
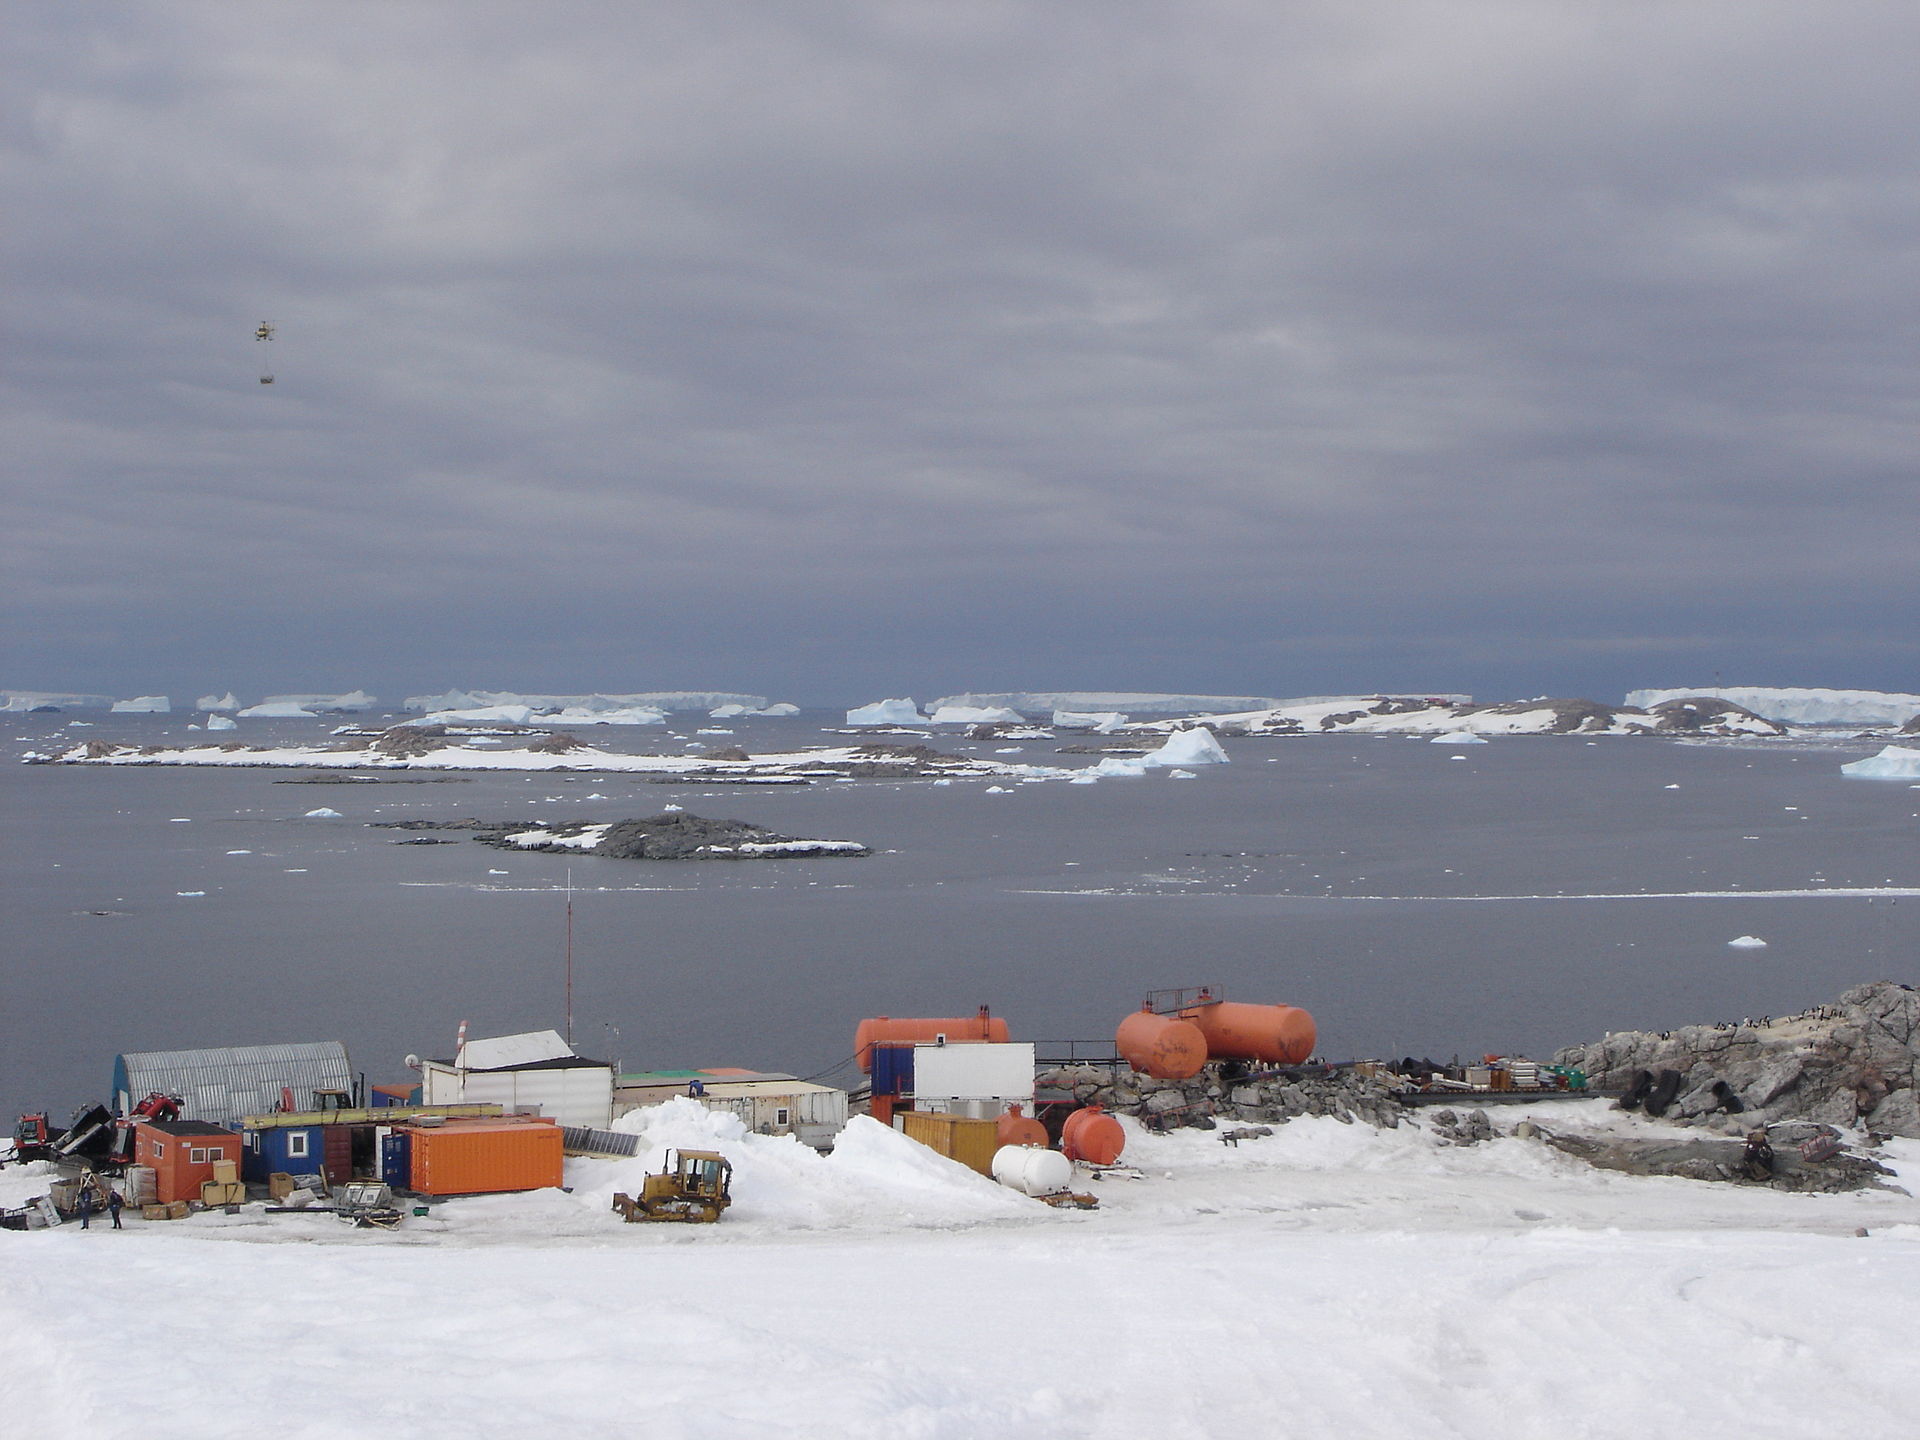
(1855, 1062)
(1210, 1098)
(670, 836)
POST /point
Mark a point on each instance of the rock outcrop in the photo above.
(1855, 1062)
(1211, 1097)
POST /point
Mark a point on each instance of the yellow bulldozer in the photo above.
(692, 1188)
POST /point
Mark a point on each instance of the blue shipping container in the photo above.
(892, 1070)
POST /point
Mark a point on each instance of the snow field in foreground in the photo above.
(1331, 1279)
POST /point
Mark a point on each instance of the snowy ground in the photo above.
(1331, 1280)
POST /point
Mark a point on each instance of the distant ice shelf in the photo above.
(667, 700)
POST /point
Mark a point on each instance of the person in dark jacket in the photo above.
(87, 1206)
(114, 1202)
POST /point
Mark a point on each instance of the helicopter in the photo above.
(265, 332)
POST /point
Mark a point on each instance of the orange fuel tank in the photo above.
(884, 1030)
(1093, 1136)
(1163, 1046)
(1274, 1034)
(1015, 1128)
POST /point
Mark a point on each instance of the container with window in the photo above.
(182, 1155)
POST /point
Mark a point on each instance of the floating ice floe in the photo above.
(886, 712)
(221, 722)
(1747, 942)
(1459, 737)
(323, 813)
(144, 705)
(1895, 762)
(228, 701)
(277, 710)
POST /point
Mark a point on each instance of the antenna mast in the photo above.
(569, 957)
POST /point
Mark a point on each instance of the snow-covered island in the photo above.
(435, 747)
(1437, 715)
(668, 836)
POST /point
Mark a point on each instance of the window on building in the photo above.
(198, 1155)
(780, 1116)
(297, 1144)
(159, 1148)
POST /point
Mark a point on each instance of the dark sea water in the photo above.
(1531, 893)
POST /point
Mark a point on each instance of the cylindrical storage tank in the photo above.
(1014, 1128)
(884, 1030)
(1162, 1046)
(1032, 1171)
(1274, 1034)
(1092, 1136)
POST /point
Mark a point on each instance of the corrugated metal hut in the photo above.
(182, 1154)
(222, 1085)
(476, 1157)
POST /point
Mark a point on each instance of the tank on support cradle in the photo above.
(1270, 1034)
(1016, 1128)
(1092, 1136)
(1032, 1171)
(1167, 1047)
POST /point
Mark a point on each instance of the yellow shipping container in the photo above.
(962, 1138)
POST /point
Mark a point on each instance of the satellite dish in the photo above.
(413, 1062)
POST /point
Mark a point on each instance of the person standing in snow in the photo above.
(87, 1207)
(114, 1202)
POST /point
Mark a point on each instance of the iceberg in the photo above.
(1458, 737)
(780, 707)
(22, 702)
(1042, 702)
(1101, 722)
(1792, 706)
(276, 710)
(479, 715)
(886, 712)
(1895, 762)
(350, 703)
(217, 702)
(975, 715)
(1198, 746)
(144, 705)
(665, 700)
(728, 712)
(220, 722)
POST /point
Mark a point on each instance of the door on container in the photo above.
(395, 1159)
(337, 1146)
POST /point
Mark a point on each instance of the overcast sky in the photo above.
(827, 351)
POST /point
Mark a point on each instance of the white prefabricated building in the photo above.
(534, 1073)
(976, 1080)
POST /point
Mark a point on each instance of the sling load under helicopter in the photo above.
(265, 332)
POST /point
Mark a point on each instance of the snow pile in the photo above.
(975, 715)
(1895, 762)
(228, 701)
(1101, 722)
(1800, 707)
(220, 722)
(875, 1174)
(277, 710)
(886, 712)
(20, 702)
(144, 705)
(665, 700)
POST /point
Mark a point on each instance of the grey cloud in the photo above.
(1551, 342)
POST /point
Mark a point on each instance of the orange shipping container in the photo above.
(483, 1157)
